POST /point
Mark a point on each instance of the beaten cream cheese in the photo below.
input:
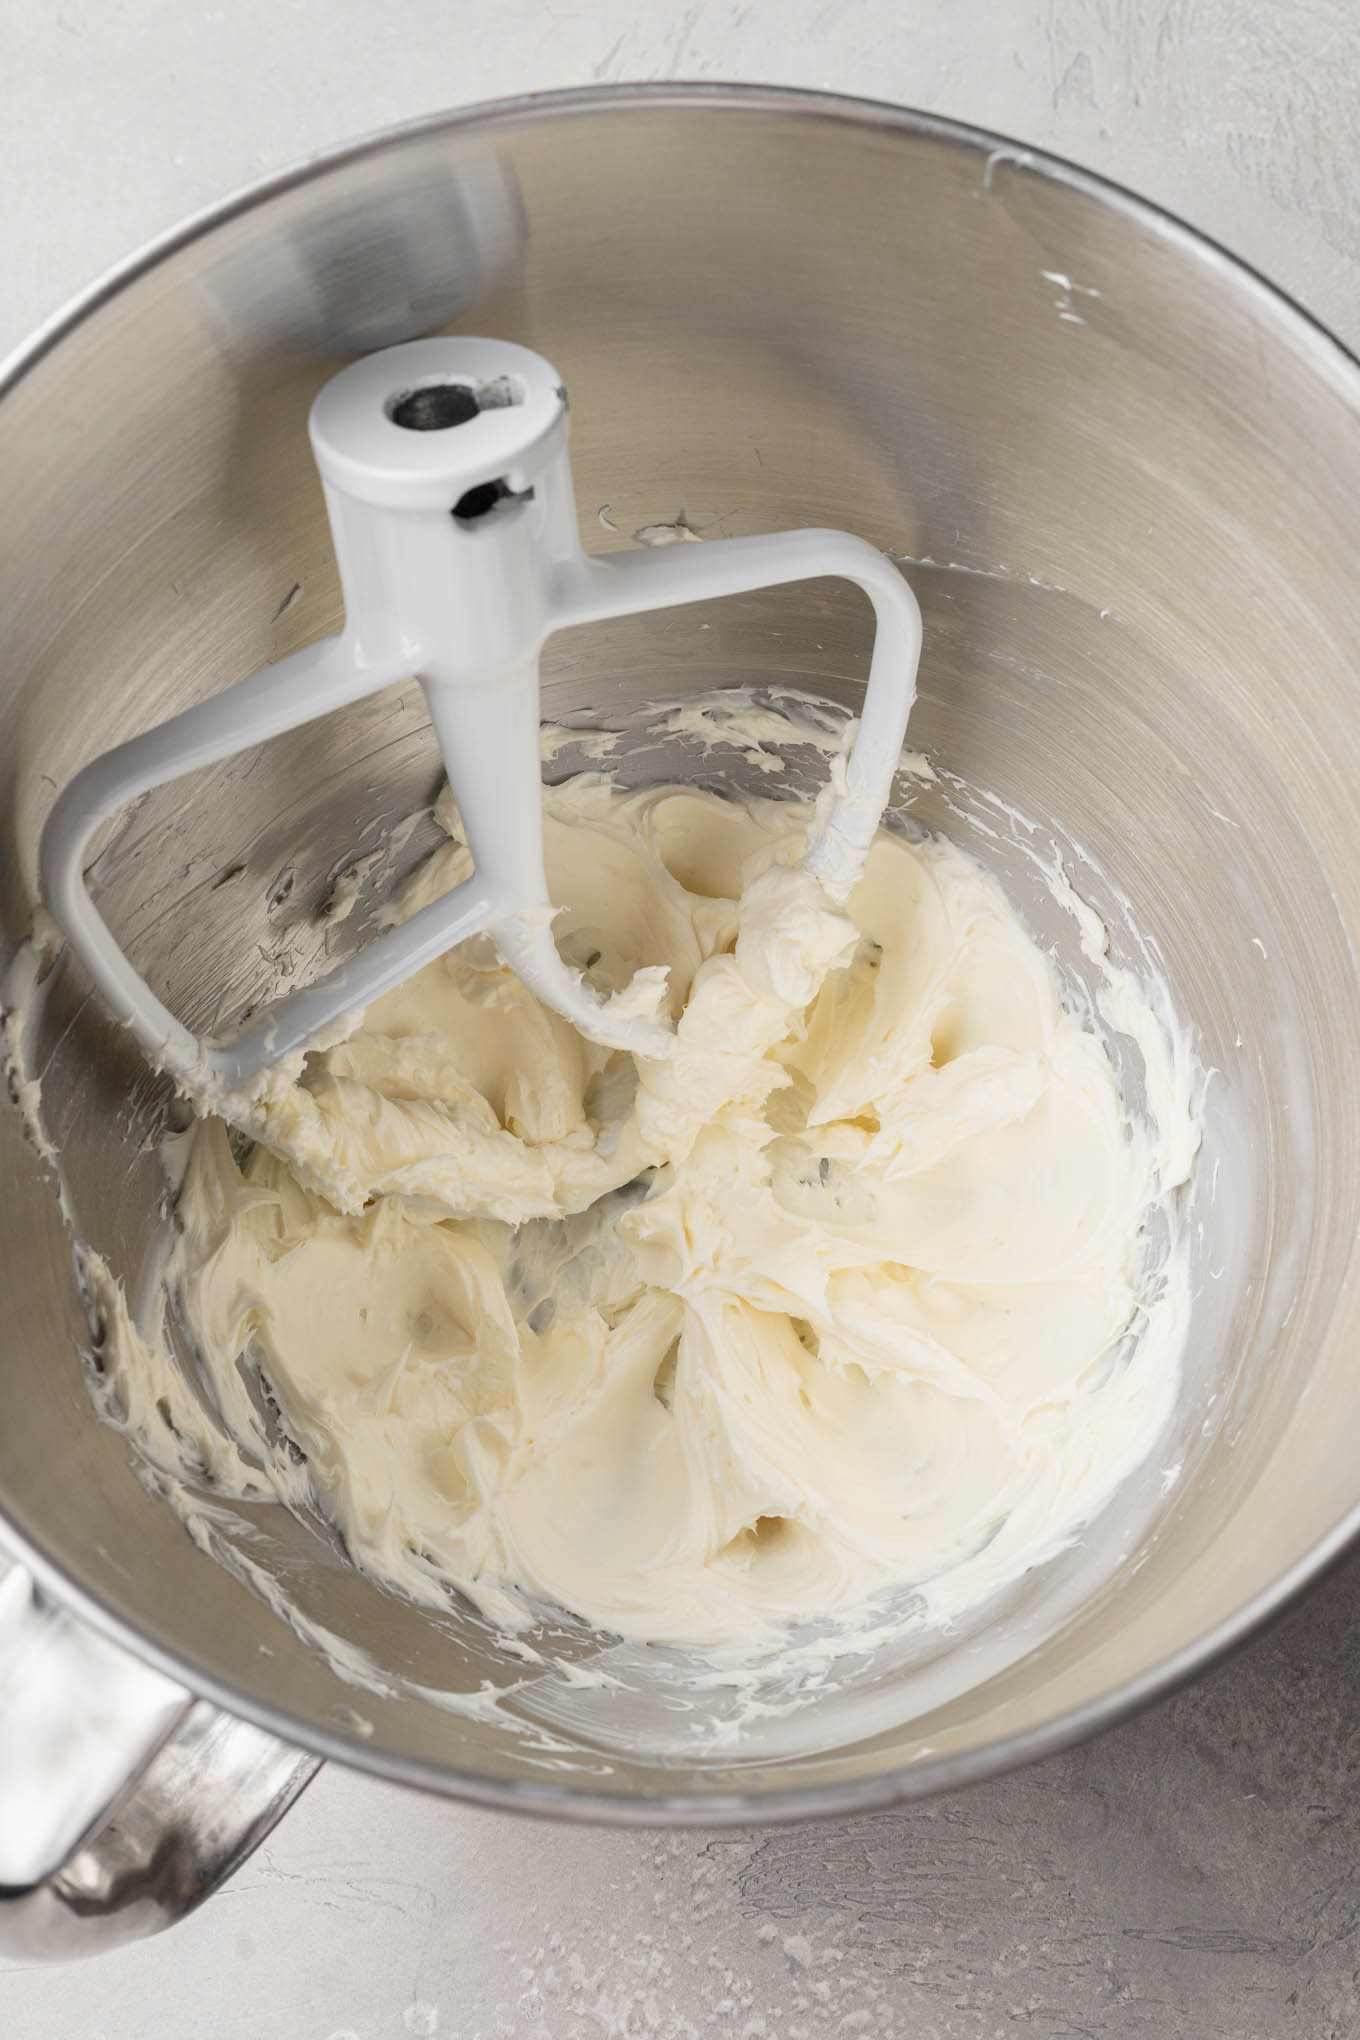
(844, 1297)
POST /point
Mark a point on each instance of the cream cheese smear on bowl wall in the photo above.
(847, 1316)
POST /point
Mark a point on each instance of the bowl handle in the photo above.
(124, 1800)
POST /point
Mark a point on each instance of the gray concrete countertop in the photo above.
(1196, 1872)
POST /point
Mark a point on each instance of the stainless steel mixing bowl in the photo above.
(1124, 477)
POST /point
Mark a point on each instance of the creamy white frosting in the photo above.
(843, 1297)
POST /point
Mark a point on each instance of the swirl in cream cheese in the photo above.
(842, 1298)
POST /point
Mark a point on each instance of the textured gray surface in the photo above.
(1197, 1872)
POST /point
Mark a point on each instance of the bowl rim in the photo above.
(1337, 365)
